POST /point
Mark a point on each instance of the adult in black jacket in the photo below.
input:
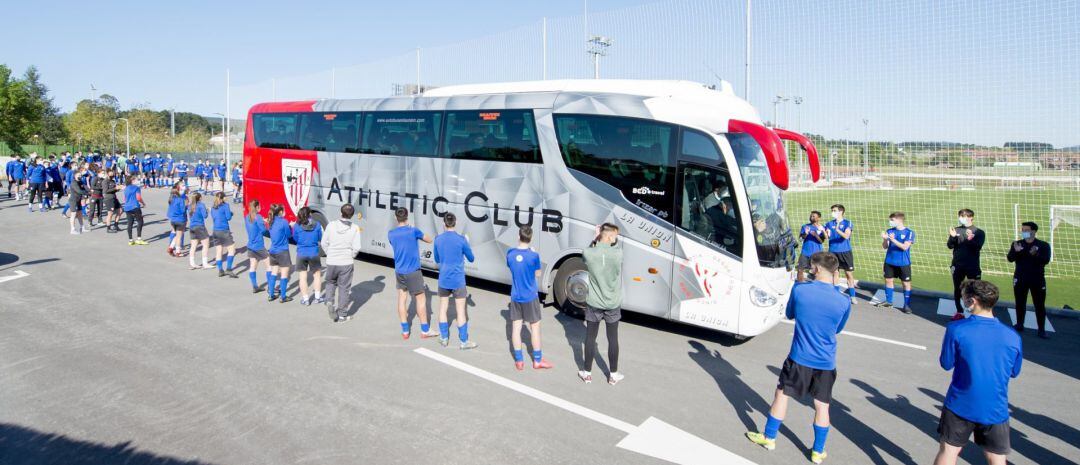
(966, 242)
(77, 193)
(109, 188)
(1031, 257)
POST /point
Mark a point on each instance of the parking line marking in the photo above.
(872, 338)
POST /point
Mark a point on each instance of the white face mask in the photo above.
(1026, 235)
(893, 223)
(964, 221)
(836, 215)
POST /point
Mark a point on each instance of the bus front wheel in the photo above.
(571, 286)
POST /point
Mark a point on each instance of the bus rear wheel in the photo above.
(571, 287)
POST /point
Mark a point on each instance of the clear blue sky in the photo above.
(932, 70)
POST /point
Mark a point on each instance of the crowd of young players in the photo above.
(981, 355)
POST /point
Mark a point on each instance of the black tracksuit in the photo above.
(1030, 275)
(965, 258)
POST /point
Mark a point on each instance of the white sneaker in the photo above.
(615, 378)
(75, 232)
(85, 229)
(854, 301)
(585, 376)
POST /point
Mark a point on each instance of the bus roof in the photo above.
(641, 87)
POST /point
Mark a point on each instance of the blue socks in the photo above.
(851, 291)
(404, 328)
(221, 265)
(229, 262)
(254, 281)
(444, 330)
(518, 357)
(820, 433)
(271, 284)
(538, 355)
(772, 426)
(284, 282)
(907, 297)
(463, 332)
(888, 294)
(425, 327)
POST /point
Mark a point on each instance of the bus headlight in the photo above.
(761, 297)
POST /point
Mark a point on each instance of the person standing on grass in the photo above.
(255, 226)
(307, 233)
(222, 215)
(133, 205)
(1031, 256)
(451, 251)
(280, 260)
(341, 242)
(199, 235)
(603, 259)
(812, 235)
(897, 242)
(838, 230)
(410, 281)
(177, 216)
(525, 271)
(983, 354)
(966, 242)
(820, 314)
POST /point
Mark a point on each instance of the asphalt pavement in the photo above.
(111, 353)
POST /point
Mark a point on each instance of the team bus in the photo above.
(690, 174)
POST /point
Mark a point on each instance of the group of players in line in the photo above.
(983, 353)
(1029, 254)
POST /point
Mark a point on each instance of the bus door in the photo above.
(707, 269)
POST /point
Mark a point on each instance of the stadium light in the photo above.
(598, 48)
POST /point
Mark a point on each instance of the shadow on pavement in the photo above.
(8, 258)
(31, 262)
(746, 402)
(363, 291)
(1021, 443)
(24, 446)
(866, 438)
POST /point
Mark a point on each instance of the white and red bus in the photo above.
(690, 174)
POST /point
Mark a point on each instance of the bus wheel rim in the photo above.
(577, 287)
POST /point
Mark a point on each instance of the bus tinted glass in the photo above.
(697, 144)
(497, 135)
(771, 231)
(707, 209)
(333, 132)
(401, 133)
(633, 155)
(276, 130)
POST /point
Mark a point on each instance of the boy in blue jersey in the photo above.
(451, 251)
(525, 271)
(812, 235)
(17, 174)
(410, 281)
(220, 172)
(820, 314)
(838, 230)
(983, 354)
(897, 242)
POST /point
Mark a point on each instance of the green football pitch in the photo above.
(930, 213)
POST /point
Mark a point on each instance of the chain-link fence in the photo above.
(920, 107)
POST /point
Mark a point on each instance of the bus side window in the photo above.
(276, 130)
(707, 209)
(632, 155)
(413, 133)
(495, 135)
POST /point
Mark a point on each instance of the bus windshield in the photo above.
(771, 231)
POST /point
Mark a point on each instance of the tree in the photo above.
(19, 118)
(90, 122)
(51, 127)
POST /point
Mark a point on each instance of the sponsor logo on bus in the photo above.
(645, 190)
(296, 179)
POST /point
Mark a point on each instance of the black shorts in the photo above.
(199, 233)
(804, 262)
(112, 203)
(847, 261)
(894, 271)
(459, 293)
(411, 282)
(37, 186)
(797, 381)
(609, 315)
(966, 273)
(223, 238)
(310, 264)
(281, 259)
(178, 227)
(528, 311)
(956, 431)
(258, 255)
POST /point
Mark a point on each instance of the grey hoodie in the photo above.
(341, 242)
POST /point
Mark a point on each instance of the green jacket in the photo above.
(605, 276)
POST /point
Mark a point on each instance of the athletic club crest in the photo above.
(296, 178)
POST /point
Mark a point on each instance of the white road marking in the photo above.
(1029, 321)
(18, 274)
(653, 437)
(872, 338)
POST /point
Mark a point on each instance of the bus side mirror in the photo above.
(808, 146)
(771, 145)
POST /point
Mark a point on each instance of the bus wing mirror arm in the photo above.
(808, 146)
(771, 145)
